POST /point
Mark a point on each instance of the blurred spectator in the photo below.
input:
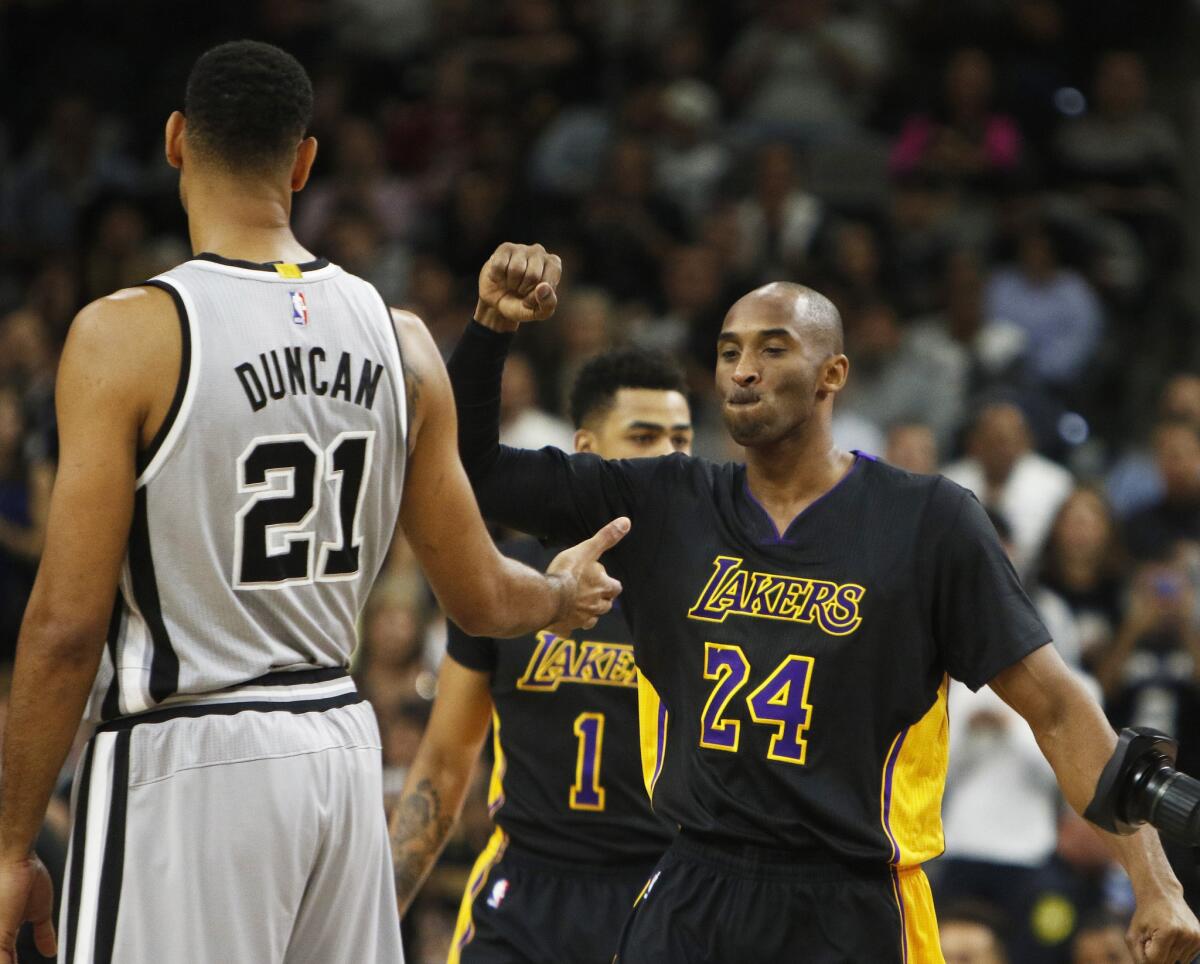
(1055, 308)
(396, 666)
(360, 180)
(986, 350)
(912, 446)
(1134, 482)
(923, 229)
(25, 484)
(694, 306)
(432, 296)
(117, 251)
(1151, 672)
(27, 362)
(75, 159)
(354, 241)
(1005, 473)
(803, 71)
(627, 228)
(908, 375)
(1079, 881)
(779, 221)
(1155, 530)
(970, 933)
(851, 270)
(1100, 939)
(690, 159)
(1082, 563)
(532, 44)
(966, 141)
(1038, 65)
(585, 327)
(522, 424)
(1125, 158)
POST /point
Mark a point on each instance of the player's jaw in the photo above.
(777, 405)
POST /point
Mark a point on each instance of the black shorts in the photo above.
(522, 909)
(710, 903)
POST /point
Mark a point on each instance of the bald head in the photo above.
(814, 317)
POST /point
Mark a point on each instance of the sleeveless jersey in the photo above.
(265, 505)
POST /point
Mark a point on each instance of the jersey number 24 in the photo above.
(781, 701)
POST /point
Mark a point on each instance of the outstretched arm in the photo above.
(436, 784)
(1074, 735)
(546, 493)
(481, 590)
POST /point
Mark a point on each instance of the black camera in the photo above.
(1141, 785)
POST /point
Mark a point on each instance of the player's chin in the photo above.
(744, 427)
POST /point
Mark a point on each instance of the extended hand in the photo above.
(590, 590)
(1164, 931)
(26, 894)
(517, 285)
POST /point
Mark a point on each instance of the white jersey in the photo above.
(266, 504)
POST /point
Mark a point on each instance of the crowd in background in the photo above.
(995, 195)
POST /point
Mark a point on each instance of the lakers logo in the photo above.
(735, 591)
(560, 660)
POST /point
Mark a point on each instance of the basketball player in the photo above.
(576, 838)
(235, 438)
(798, 616)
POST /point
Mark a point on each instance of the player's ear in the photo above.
(834, 372)
(173, 140)
(585, 440)
(306, 155)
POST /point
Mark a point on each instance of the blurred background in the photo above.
(994, 192)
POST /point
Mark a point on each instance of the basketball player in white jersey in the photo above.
(236, 436)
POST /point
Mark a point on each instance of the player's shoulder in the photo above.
(121, 328)
(935, 495)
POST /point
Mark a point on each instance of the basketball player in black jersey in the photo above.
(242, 151)
(798, 617)
(576, 838)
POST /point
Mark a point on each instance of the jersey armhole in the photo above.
(151, 459)
(402, 393)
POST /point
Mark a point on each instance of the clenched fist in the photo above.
(517, 285)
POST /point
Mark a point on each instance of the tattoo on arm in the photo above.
(412, 388)
(420, 829)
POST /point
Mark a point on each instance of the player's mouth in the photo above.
(742, 398)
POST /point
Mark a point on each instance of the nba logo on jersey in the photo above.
(299, 309)
(499, 891)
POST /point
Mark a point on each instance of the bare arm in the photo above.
(436, 785)
(490, 595)
(1077, 740)
(109, 377)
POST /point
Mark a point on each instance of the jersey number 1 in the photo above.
(285, 475)
(586, 792)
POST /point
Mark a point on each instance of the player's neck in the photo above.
(242, 222)
(790, 475)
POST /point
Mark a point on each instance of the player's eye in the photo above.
(680, 442)
(727, 354)
(774, 350)
(642, 439)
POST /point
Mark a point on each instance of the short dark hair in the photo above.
(601, 378)
(247, 105)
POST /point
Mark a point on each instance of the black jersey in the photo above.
(802, 675)
(568, 780)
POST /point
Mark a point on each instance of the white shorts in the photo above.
(239, 830)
